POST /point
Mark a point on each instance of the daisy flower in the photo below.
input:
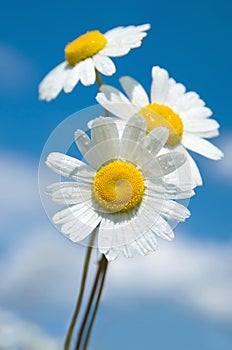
(120, 189)
(183, 113)
(88, 53)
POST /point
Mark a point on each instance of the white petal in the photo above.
(184, 195)
(69, 192)
(200, 125)
(105, 143)
(171, 210)
(195, 172)
(122, 229)
(72, 78)
(117, 108)
(159, 86)
(87, 72)
(159, 226)
(115, 50)
(187, 101)
(103, 129)
(145, 244)
(182, 177)
(116, 230)
(70, 213)
(162, 165)
(69, 167)
(197, 112)
(112, 33)
(122, 39)
(135, 128)
(162, 229)
(110, 254)
(105, 139)
(104, 64)
(132, 36)
(77, 221)
(128, 250)
(135, 91)
(208, 134)
(82, 226)
(174, 211)
(114, 101)
(143, 27)
(150, 241)
(112, 93)
(167, 190)
(88, 149)
(120, 31)
(175, 92)
(52, 84)
(155, 140)
(134, 131)
(83, 141)
(50, 189)
(201, 146)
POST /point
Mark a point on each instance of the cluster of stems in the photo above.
(95, 295)
(92, 306)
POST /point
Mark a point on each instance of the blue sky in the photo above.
(193, 41)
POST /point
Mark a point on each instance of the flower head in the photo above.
(88, 53)
(170, 106)
(122, 191)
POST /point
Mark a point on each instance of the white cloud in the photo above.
(189, 272)
(20, 202)
(223, 168)
(17, 334)
(42, 270)
(20, 181)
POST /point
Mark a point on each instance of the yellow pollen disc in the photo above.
(85, 46)
(161, 115)
(118, 186)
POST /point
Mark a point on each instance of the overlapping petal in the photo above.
(165, 91)
(128, 232)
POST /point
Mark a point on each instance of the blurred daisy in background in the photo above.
(122, 192)
(88, 53)
(183, 113)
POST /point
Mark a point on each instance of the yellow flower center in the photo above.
(85, 46)
(161, 115)
(118, 186)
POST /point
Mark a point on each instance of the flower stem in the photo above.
(100, 277)
(81, 293)
(96, 305)
(95, 294)
(98, 78)
(99, 83)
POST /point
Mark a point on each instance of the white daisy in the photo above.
(89, 52)
(122, 191)
(183, 113)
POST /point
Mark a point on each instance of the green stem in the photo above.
(101, 272)
(84, 276)
(104, 270)
(81, 293)
(99, 83)
(98, 78)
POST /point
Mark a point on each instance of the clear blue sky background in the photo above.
(193, 41)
